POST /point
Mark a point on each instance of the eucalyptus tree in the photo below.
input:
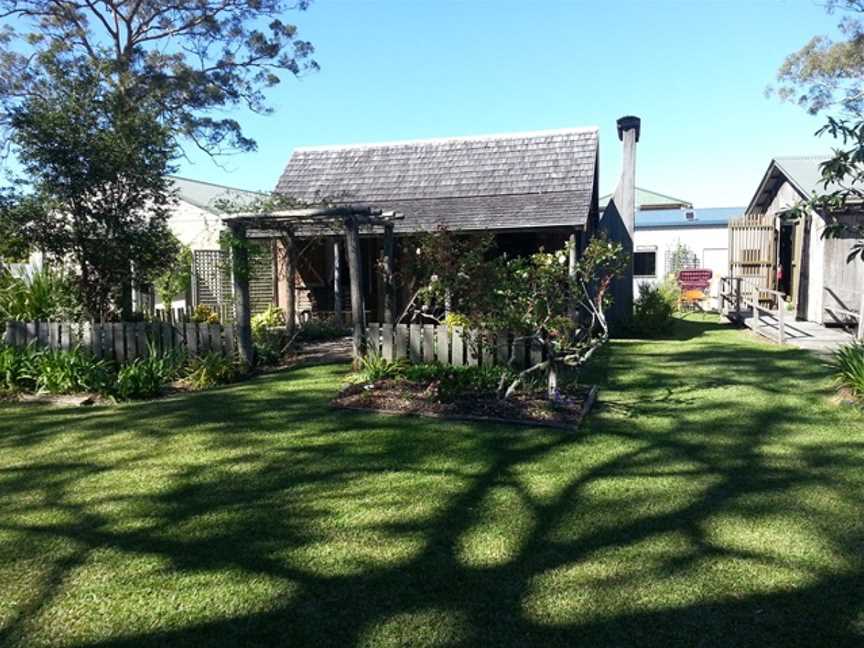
(191, 59)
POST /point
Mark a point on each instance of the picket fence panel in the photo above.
(448, 345)
(123, 341)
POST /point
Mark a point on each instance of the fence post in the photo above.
(757, 323)
(781, 334)
(738, 296)
(860, 335)
(442, 353)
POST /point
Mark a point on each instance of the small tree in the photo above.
(94, 187)
(539, 298)
(176, 278)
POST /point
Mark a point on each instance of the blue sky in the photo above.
(694, 71)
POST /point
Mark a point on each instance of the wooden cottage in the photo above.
(793, 257)
(529, 189)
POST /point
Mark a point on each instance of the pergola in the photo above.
(301, 223)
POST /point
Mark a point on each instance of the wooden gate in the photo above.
(753, 250)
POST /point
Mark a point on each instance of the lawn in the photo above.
(714, 498)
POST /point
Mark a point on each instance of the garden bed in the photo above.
(401, 396)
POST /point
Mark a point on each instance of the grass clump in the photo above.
(848, 363)
(209, 370)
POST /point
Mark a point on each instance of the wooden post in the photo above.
(242, 310)
(389, 296)
(571, 273)
(781, 333)
(757, 322)
(337, 282)
(290, 251)
(860, 335)
(352, 248)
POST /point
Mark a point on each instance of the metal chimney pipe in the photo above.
(619, 218)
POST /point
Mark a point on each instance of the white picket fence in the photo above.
(123, 341)
(453, 346)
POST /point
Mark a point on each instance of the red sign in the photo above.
(694, 279)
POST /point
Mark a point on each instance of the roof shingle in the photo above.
(487, 182)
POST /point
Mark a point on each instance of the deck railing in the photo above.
(738, 295)
(837, 312)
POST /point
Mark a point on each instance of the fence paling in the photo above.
(122, 341)
(453, 346)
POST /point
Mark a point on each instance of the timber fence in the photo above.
(455, 346)
(123, 341)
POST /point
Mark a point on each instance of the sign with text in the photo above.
(697, 279)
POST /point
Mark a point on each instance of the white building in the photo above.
(196, 219)
(669, 239)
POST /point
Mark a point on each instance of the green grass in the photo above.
(714, 498)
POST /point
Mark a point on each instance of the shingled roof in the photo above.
(511, 181)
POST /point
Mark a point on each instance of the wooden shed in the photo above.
(531, 190)
(793, 257)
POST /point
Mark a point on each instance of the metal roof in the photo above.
(647, 199)
(509, 181)
(672, 218)
(803, 172)
(206, 194)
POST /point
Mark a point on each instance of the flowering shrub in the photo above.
(203, 314)
(540, 298)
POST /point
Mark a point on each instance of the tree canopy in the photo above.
(826, 73)
(95, 191)
(189, 58)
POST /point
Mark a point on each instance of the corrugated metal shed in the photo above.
(647, 199)
(206, 194)
(706, 217)
(517, 180)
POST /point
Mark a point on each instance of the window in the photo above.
(645, 263)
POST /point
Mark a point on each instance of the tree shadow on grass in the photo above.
(710, 502)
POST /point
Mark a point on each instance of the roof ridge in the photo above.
(822, 156)
(458, 138)
(662, 195)
(478, 195)
(215, 184)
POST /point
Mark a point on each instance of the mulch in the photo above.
(406, 397)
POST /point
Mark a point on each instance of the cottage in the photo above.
(793, 258)
(531, 190)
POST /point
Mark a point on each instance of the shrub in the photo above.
(318, 330)
(670, 291)
(145, 377)
(268, 335)
(374, 367)
(848, 363)
(17, 368)
(269, 318)
(203, 314)
(456, 383)
(652, 311)
(210, 369)
(70, 372)
(42, 295)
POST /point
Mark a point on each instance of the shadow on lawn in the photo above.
(722, 455)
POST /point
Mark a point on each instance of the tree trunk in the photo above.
(240, 279)
(389, 297)
(290, 250)
(552, 382)
(337, 283)
(352, 247)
